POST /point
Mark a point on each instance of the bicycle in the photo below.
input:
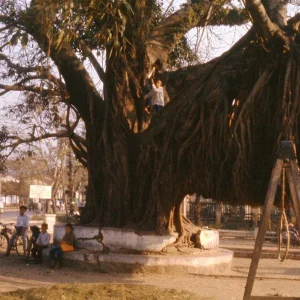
(74, 217)
(4, 240)
(32, 241)
(294, 236)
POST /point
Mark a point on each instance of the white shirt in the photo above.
(44, 238)
(23, 221)
(1, 204)
(157, 95)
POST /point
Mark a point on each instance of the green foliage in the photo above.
(103, 25)
(100, 23)
(182, 55)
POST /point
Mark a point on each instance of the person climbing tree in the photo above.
(156, 69)
(157, 95)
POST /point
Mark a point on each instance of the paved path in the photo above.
(244, 248)
(11, 215)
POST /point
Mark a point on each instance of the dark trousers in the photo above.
(157, 108)
(148, 102)
(55, 253)
(37, 252)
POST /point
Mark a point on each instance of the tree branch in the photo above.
(19, 87)
(13, 141)
(21, 69)
(294, 22)
(79, 83)
(17, 140)
(56, 81)
(43, 73)
(79, 149)
(10, 22)
(262, 22)
(169, 32)
(88, 52)
(223, 16)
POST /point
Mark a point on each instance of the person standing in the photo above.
(51, 205)
(157, 98)
(39, 207)
(1, 206)
(154, 92)
(156, 95)
(21, 229)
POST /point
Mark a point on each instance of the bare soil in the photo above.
(273, 278)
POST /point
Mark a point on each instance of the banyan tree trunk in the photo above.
(218, 137)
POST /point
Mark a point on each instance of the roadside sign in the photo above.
(40, 191)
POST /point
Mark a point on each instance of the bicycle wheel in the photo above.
(73, 219)
(3, 243)
(19, 245)
(283, 237)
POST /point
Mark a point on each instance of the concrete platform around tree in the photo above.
(125, 250)
(200, 262)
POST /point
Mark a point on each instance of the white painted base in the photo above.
(119, 250)
(206, 262)
(124, 240)
(114, 239)
(207, 239)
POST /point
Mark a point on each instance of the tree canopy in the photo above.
(218, 134)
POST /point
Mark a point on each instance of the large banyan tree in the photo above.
(219, 132)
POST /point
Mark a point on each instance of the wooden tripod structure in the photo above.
(286, 158)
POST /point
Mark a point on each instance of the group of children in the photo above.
(40, 240)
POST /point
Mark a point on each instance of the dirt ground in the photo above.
(273, 278)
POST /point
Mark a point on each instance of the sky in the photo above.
(220, 39)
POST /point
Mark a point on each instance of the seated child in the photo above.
(66, 245)
(42, 242)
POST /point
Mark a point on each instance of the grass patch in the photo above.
(99, 291)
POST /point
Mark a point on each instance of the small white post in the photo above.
(50, 219)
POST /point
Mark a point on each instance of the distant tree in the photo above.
(46, 165)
